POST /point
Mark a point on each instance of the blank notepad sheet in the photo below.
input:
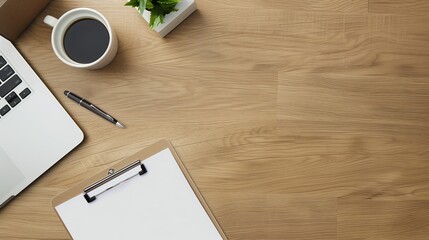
(159, 204)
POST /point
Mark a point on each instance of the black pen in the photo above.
(91, 107)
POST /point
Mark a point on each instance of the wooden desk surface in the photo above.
(296, 119)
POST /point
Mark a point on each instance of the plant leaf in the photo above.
(132, 3)
(168, 3)
(158, 9)
(156, 16)
(167, 6)
(149, 5)
(142, 5)
(153, 16)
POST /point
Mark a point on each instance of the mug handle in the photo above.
(51, 21)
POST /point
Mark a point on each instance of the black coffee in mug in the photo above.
(86, 40)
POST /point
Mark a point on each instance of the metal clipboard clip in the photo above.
(115, 178)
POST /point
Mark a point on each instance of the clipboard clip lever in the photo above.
(119, 177)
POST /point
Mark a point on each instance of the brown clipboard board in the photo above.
(141, 155)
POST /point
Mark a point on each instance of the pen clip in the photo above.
(102, 112)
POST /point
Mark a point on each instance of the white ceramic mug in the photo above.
(60, 27)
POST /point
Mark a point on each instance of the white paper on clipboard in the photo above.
(159, 204)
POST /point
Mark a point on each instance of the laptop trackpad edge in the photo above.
(10, 176)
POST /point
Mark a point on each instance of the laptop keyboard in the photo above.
(12, 88)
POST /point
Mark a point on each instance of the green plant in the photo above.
(158, 9)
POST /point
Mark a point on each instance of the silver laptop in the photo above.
(35, 130)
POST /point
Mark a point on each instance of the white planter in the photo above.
(171, 20)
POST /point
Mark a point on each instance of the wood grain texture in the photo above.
(383, 219)
(409, 7)
(296, 119)
(296, 5)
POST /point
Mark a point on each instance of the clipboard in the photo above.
(89, 208)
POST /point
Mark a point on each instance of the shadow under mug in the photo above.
(61, 25)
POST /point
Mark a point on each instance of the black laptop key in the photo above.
(4, 110)
(6, 72)
(15, 102)
(2, 62)
(25, 93)
(12, 99)
(8, 86)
